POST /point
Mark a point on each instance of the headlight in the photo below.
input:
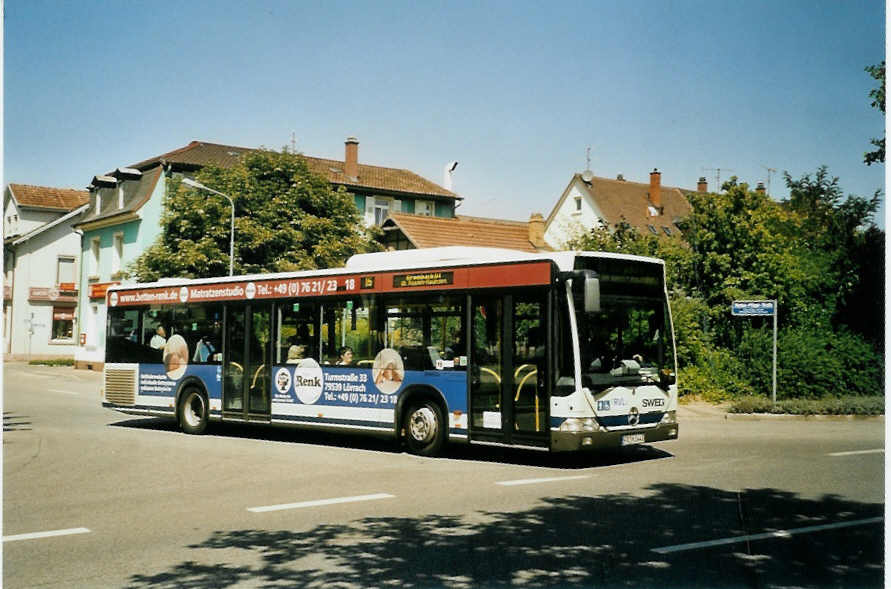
(670, 417)
(576, 425)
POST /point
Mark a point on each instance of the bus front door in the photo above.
(246, 368)
(508, 400)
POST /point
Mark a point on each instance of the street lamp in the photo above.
(194, 184)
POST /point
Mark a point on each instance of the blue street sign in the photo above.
(753, 308)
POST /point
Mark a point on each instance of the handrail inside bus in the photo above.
(517, 398)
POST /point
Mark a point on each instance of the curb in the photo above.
(787, 417)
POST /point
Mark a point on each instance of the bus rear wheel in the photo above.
(193, 411)
(424, 429)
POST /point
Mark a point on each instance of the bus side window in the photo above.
(297, 333)
(201, 325)
(349, 324)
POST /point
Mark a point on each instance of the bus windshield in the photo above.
(629, 340)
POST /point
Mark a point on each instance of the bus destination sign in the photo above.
(423, 279)
(753, 308)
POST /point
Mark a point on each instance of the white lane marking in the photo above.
(766, 536)
(37, 535)
(540, 480)
(854, 452)
(320, 502)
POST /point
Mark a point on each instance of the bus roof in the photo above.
(464, 256)
(453, 256)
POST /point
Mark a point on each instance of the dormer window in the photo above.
(654, 212)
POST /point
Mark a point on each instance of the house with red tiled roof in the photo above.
(40, 254)
(126, 204)
(377, 190)
(590, 201)
(403, 231)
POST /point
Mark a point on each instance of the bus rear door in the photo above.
(246, 367)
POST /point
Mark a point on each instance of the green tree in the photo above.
(286, 218)
(840, 231)
(878, 101)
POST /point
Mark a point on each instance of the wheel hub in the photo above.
(422, 424)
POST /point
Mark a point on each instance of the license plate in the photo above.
(630, 439)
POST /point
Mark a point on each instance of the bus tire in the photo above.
(193, 411)
(424, 428)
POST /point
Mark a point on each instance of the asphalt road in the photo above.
(93, 498)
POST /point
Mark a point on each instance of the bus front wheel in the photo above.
(424, 429)
(193, 411)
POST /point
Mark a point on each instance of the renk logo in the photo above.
(308, 380)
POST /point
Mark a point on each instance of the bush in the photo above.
(812, 363)
(718, 376)
(53, 362)
(847, 405)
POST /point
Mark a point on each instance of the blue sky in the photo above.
(515, 91)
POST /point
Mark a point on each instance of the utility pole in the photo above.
(717, 176)
(769, 172)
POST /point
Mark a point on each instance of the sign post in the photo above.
(761, 309)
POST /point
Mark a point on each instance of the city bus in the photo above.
(554, 351)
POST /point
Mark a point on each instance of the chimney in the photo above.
(702, 185)
(760, 188)
(656, 190)
(536, 230)
(351, 159)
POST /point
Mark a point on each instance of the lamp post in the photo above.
(194, 184)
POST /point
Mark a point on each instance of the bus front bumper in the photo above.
(562, 441)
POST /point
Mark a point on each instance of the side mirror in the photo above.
(592, 294)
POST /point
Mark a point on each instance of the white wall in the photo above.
(36, 266)
(567, 222)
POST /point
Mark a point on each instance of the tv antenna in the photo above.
(588, 175)
(293, 141)
(769, 172)
(717, 172)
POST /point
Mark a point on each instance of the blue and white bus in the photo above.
(559, 351)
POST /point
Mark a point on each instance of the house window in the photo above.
(63, 324)
(667, 230)
(94, 258)
(65, 272)
(578, 204)
(425, 208)
(652, 229)
(117, 253)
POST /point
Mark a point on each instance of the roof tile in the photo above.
(202, 153)
(47, 197)
(427, 232)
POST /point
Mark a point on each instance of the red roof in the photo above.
(426, 232)
(202, 153)
(47, 197)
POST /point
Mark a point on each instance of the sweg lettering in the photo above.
(653, 403)
(301, 381)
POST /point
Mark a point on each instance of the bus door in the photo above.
(246, 366)
(508, 396)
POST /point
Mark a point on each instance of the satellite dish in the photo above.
(587, 175)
